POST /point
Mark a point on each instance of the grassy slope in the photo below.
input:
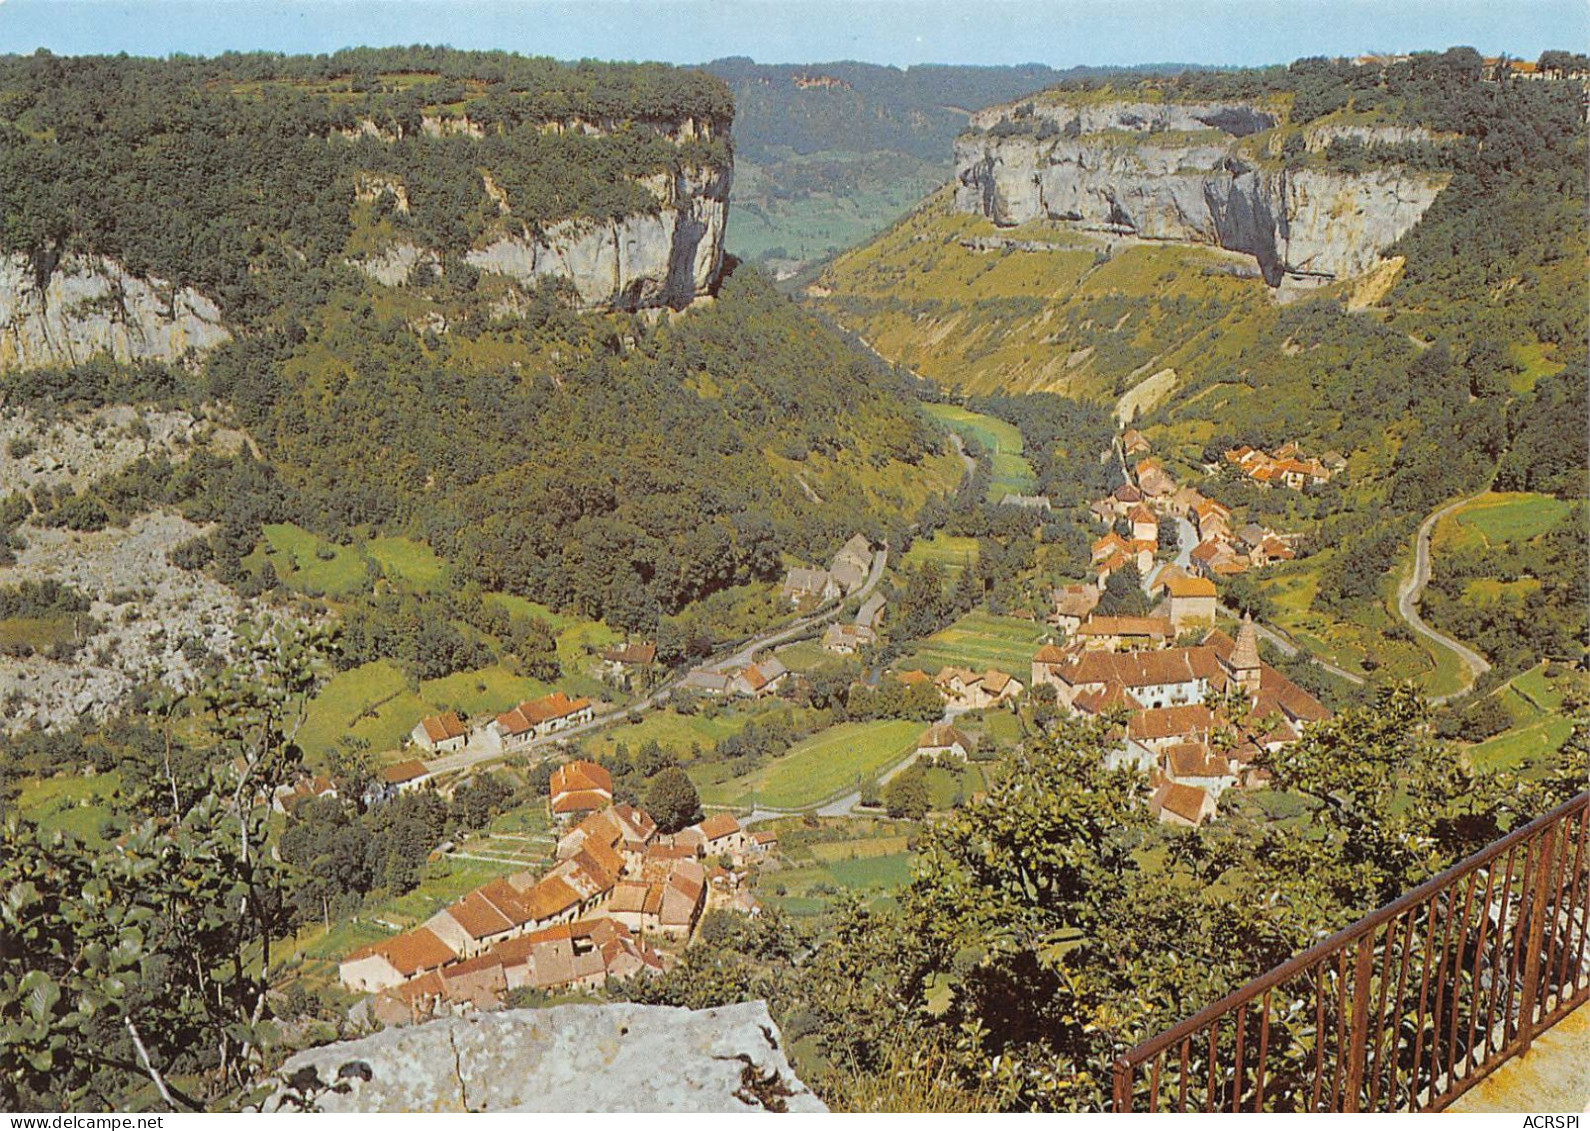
(1539, 727)
(1062, 320)
(73, 804)
(1499, 517)
(1494, 520)
(1002, 441)
(820, 767)
(672, 731)
(953, 553)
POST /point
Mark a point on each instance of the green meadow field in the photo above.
(952, 553)
(820, 767)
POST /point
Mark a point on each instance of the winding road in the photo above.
(1411, 588)
(484, 746)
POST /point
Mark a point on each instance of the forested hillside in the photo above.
(621, 466)
(235, 175)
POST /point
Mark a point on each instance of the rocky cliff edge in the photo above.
(90, 305)
(1183, 174)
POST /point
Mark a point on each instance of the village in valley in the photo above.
(612, 586)
(585, 888)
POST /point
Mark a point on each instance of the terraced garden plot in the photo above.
(874, 873)
(1540, 691)
(980, 641)
(833, 851)
(810, 890)
(1539, 730)
(1516, 749)
(822, 766)
(672, 731)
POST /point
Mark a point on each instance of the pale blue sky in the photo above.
(1058, 32)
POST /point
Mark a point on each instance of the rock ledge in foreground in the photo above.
(567, 1058)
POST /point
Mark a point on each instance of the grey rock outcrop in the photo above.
(567, 1058)
(1198, 188)
(1236, 119)
(666, 257)
(90, 305)
(149, 614)
(396, 265)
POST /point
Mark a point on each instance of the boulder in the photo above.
(566, 1058)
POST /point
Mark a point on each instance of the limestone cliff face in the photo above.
(616, 1058)
(90, 305)
(1113, 168)
(668, 254)
(662, 258)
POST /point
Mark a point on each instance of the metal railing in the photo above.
(1406, 1009)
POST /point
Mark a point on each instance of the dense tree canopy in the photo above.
(237, 175)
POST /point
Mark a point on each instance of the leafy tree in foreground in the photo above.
(152, 959)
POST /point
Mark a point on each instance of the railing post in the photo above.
(1550, 851)
(1545, 863)
(1358, 1050)
(1124, 1072)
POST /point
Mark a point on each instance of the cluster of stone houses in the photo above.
(1112, 551)
(759, 680)
(538, 718)
(1197, 717)
(618, 887)
(1151, 494)
(1186, 603)
(964, 690)
(847, 573)
(515, 728)
(1222, 552)
(848, 639)
(1287, 467)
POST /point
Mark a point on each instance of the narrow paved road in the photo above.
(960, 450)
(1411, 589)
(737, 658)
